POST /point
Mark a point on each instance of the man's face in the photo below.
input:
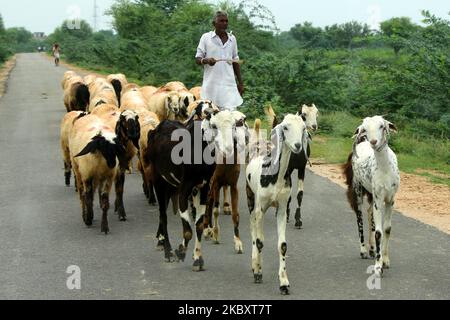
(221, 23)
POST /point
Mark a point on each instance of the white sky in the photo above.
(46, 15)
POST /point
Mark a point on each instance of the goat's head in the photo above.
(310, 115)
(202, 109)
(128, 127)
(375, 130)
(291, 132)
(172, 103)
(242, 134)
(218, 128)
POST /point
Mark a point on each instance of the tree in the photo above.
(397, 30)
(307, 34)
(2, 26)
(341, 36)
(168, 6)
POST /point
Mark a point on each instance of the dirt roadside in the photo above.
(417, 198)
(5, 71)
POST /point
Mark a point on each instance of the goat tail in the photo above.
(117, 85)
(257, 126)
(271, 117)
(82, 97)
(348, 172)
(110, 150)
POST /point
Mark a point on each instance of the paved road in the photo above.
(41, 231)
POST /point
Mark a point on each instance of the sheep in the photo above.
(227, 175)
(189, 179)
(196, 92)
(268, 185)
(90, 78)
(133, 99)
(128, 132)
(148, 91)
(148, 122)
(76, 94)
(94, 150)
(299, 161)
(186, 97)
(167, 106)
(372, 170)
(130, 87)
(66, 127)
(100, 85)
(118, 81)
(103, 97)
(67, 75)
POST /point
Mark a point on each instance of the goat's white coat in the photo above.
(294, 130)
(375, 168)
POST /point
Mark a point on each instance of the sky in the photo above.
(46, 15)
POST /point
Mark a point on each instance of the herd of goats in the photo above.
(188, 150)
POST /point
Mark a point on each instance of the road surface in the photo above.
(42, 234)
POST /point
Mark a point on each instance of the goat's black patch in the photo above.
(259, 245)
(283, 248)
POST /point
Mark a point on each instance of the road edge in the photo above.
(5, 72)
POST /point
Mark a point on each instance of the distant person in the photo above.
(218, 53)
(56, 53)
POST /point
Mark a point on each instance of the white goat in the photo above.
(267, 185)
(372, 170)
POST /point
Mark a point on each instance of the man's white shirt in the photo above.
(219, 83)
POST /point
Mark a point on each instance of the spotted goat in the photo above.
(268, 185)
(372, 170)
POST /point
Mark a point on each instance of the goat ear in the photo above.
(209, 113)
(306, 139)
(392, 127)
(356, 133)
(303, 115)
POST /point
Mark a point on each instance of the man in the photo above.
(56, 53)
(215, 51)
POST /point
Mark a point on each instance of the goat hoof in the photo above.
(364, 255)
(169, 258)
(105, 230)
(160, 245)
(298, 224)
(123, 218)
(372, 254)
(181, 254)
(258, 278)
(198, 265)
(284, 290)
(227, 212)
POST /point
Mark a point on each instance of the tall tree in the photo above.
(397, 30)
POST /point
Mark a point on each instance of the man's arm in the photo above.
(237, 72)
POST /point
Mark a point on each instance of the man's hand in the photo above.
(241, 89)
(211, 61)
